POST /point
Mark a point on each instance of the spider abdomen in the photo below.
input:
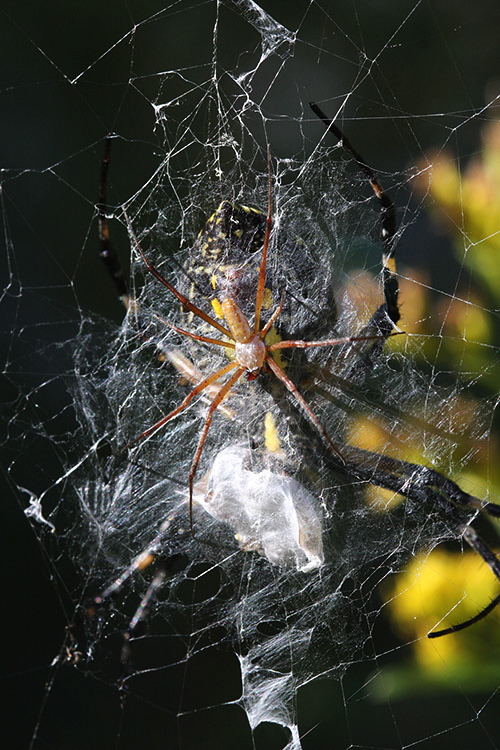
(236, 321)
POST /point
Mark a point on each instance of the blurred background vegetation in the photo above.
(464, 205)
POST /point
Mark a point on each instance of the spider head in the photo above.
(252, 374)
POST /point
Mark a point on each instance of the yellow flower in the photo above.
(441, 589)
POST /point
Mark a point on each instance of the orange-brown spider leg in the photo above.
(183, 300)
(289, 344)
(273, 317)
(193, 375)
(200, 387)
(303, 403)
(201, 442)
(262, 272)
(195, 336)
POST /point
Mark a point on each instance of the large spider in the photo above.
(252, 355)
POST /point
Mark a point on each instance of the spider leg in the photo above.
(387, 220)
(200, 387)
(273, 317)
(280, 374)
(467, 623)
(142, 612)
(112, 262)
(477, 544)
(262, 271)
(106, 250)
(113, 266)
(182, 299)
(141, 562)
(447, 492)
(424, 485)
(166, 567)
(388, 228)
(289, 344)
(208, 421)
(193, 375)
(205, 339)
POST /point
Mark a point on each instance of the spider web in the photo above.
(254, 647)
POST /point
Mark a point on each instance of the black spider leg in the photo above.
(478, 545)
(106, 251)
(414, 482)
(113, 266)
(152, 553)
(408, 479)
(424, 485)
(387, 315)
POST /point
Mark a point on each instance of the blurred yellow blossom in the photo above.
(468, 203)
(438, 590)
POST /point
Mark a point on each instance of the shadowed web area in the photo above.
(295, 612)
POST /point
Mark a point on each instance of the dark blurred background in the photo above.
(408, 77)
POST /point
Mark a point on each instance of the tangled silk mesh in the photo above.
(295, 599)
(298, 600)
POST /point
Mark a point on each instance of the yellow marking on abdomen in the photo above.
(217, 308)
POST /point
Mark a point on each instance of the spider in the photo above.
(252, 356)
